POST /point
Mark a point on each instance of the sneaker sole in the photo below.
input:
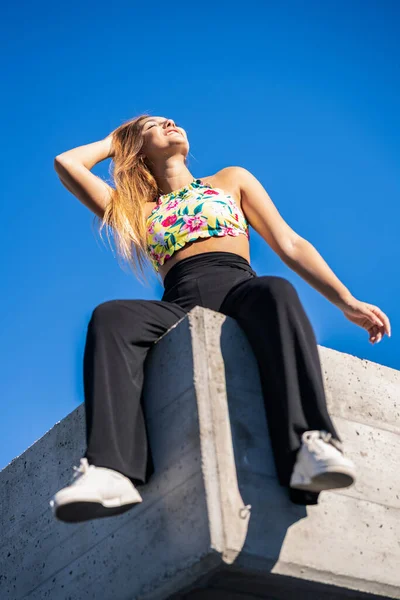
(76, 512)
(71, 506)
(333, 477)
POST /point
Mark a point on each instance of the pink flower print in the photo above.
(169, 220)
(167, 256)
(236, 217)
(193, 223)
(172, 204)
(156, 257)
(228, 231)
(211, 193)
(151, 228)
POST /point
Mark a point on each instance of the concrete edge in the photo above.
(227, 512)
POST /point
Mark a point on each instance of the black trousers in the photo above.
(269, 311)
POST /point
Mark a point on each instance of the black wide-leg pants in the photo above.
(269, 311)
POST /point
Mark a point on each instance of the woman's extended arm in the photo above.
(73, 168)
(307, 262)
(301, 256)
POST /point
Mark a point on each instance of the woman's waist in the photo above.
(238, 245)
(199, 264)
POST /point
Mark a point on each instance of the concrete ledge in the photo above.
(192, 537)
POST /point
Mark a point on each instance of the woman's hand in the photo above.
(369, 317)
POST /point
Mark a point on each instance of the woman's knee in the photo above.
(279, 287)
(109, 313)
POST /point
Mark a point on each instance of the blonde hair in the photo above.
(134, 186)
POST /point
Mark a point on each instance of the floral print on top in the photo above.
(192, 212)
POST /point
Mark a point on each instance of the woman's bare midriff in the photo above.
(238, 244)
(227, 243)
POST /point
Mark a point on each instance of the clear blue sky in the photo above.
(303, 94)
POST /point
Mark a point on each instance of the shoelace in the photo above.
(326, 437)
(82, 469)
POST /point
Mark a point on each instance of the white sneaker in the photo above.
(320, 465)
(95, 492)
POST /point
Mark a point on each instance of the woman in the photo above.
(195, 232)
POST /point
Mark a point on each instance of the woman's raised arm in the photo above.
(73, 168)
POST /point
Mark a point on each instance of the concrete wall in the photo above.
(192, 537)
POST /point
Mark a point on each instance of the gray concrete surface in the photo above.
(192, 537)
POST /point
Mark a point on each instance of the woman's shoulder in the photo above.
(227, 173)
(228, 179)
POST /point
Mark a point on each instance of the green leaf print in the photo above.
(172, 240)
(198, 208)
(186, 210)
(179, 221)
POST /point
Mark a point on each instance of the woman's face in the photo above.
(164, 137)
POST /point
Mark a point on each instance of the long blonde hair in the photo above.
(134, 186)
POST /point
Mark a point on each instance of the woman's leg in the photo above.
(119, 336)
(269, 311)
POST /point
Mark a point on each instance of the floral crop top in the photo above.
(192, 212)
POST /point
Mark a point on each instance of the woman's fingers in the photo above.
(383, 318)
(373, 334)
